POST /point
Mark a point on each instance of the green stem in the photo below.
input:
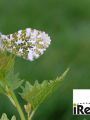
(28, 116)
(31, 115)
(17, 105)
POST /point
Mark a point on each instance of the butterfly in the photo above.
(28, 43)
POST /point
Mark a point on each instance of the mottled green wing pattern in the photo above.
(28, 43)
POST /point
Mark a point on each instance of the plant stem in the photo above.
(32, 114)
(17, 105)
(28, 116)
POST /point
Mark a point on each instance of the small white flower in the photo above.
(28, 43)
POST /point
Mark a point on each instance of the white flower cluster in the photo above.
(28, 43)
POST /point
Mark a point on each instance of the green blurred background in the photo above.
(68, 24)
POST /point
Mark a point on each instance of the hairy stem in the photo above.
(28, 116)
(31, 115)
(17, 105)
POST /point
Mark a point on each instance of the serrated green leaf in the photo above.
(13, 79)
(4, 117)
(7, 76)
(13, 118)
(36, 94)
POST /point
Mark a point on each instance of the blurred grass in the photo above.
(68, 24)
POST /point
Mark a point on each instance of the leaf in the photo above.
(36, 94)
(8, 79)
(13, 79)
(4, 117)
(6, 61)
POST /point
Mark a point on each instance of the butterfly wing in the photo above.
(28, 43)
